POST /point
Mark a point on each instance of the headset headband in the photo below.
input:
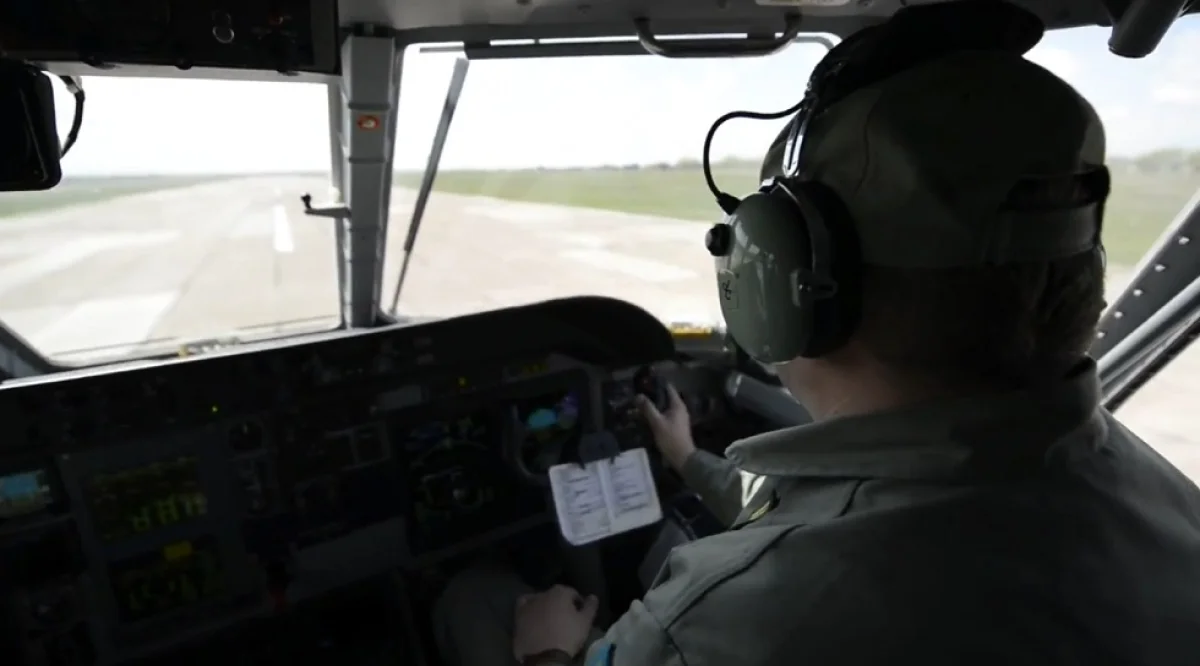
(914, 35)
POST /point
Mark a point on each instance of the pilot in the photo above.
(926, 278)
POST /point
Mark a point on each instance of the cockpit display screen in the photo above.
(470, 430)
(550, 420)
(144, 499)
(24, 493)
(460, 484)
(450, 465)
(165, 579)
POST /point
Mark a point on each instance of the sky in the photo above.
(569, 112)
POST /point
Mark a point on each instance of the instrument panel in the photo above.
(163, 502)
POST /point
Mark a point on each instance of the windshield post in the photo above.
(1165, 271)
(337, 153)
(1165, 335)
(337, 159)
(369, 92)
(458, 79)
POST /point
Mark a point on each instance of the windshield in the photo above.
(581, 176)
(177, 219)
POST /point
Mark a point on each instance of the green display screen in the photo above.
(170, 578)
(146, 498)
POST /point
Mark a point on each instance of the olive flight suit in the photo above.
(1027, 528)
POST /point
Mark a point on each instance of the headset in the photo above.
(788, 262)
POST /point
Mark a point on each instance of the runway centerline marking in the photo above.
(283, 241)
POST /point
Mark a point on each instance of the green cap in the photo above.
(928, 160)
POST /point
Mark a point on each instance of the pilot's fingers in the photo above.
(563, 592)
(674, 399)
(648, 410)
(590, 605)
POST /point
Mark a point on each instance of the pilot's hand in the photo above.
(558, 619)
(672, 429)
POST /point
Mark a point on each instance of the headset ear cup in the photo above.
(754, 279)
(776, 244)
(833, 320)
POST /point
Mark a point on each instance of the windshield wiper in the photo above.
(457, 79)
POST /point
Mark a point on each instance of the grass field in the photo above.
(1141, 206)
(89, 190)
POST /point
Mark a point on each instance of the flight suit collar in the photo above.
(996, 436)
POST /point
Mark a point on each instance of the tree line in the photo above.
(1166, 160)
(1171, 160)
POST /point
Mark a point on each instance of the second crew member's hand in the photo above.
(672, 429)
(557, 619)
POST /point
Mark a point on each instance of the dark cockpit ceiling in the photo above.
(129, 38)
(476, 20)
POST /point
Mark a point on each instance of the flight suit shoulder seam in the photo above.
(674, 646)
(718, 577)
(668, 638)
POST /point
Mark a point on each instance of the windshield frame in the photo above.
(636, 46)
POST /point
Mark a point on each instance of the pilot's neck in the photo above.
(848, 395)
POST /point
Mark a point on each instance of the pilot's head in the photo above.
(960, 199)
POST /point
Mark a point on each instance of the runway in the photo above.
(239, 257)
(103, 279)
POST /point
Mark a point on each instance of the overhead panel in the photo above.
(288, 36)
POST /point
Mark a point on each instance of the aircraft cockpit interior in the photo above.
(151, 509)
(306, 498)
